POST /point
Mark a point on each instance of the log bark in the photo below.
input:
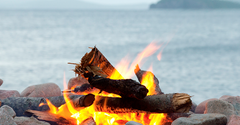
(164, 103)
(96, 63)
(123, 87)
(50, 118)
(141, 74)
(21, 104)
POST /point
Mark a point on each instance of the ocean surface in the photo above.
(200, 52)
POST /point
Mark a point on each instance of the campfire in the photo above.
(112, 98)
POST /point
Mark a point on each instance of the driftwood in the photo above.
(21, 104)
(164, 103)
(141, 73)
(122, 87)
(96, 63)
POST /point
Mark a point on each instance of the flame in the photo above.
(102, 118)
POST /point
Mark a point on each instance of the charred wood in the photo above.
(164, 103)
(123, 87)
(141, 74)
(21, 104)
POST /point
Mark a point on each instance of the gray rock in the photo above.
(76, 81)
(29, 121)
(6, 119)
(8, 110)
(202, 119)
(221, 107)
(8, 93)
(1, 82)
(201, 107)
(133, 123)
(234, 100)
(193, 107)
(42, 90)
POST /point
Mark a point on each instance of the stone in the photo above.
(42, 90)
(234, 120)
(193, 107)
(8, 93)
(29, 121)
(221, 107)
(234, 100)
(202, 119)
(133, 123)
(1, 82)
(76, 81)
(6, 119)
(8, 110)
(201, 107)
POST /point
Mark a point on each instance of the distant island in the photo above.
(195, 4)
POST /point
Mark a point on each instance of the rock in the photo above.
(224, 97)
(202, 119)
(221, 107)
(194, 106)
(8, 110)
(234, 120)
(133, 123)
(29, 121)
(77, 81)
(1, 82)
(201, 107)
(234, 100)
(8, 93)
(6, 119)
(42, 90)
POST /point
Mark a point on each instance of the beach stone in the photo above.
(133, 123)
(193, 107)
(8, 93)
(1, 82)
(29, 121)
(234, 100)
(42, 90)
(6, 119)
(221, 107)
(201, 107)
(8, 110)
(76, 81)
(224, 97)
(234, 120)
(202, 119)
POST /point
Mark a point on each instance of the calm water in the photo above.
(201, 59)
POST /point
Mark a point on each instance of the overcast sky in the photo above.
(121, 1)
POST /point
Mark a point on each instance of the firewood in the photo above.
(164, 103)
(21, 104)
(89, 121)
(141, 73)
(50, 118)
(96, 63)
(122, 87)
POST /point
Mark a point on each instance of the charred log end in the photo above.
(142, 92)
(181, 102)
(84, 101)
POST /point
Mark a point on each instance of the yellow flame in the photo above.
(148, 81)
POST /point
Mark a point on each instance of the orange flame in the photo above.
(102, 118)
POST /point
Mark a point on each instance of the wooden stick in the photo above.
(123, 87)
(141, 74)
(21, 104)
(96, 63)
(164, 103)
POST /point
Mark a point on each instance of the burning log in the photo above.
(141, 74)
(164, 103)
(96, 63)
(122, 87)
(21, 104)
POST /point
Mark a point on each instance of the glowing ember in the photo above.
(102, 118)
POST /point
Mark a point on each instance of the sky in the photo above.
(117, 2)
